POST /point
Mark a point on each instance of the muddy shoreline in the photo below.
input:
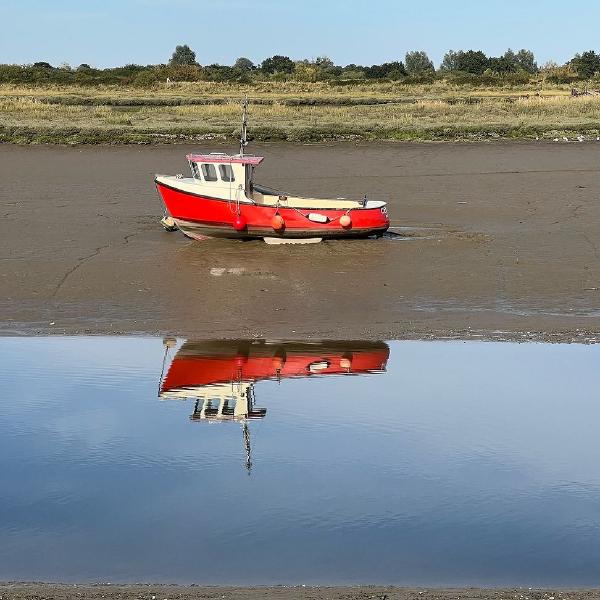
(42, 591)
(497, 241)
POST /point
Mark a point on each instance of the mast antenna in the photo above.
(244, 134)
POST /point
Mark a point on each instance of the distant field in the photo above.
(292, 111)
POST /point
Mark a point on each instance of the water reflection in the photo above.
(463, 463)
(219, 376)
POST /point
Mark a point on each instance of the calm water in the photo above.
(409, 463)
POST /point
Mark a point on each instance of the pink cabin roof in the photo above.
(225, 158)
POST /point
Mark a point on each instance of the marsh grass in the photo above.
(290, 111)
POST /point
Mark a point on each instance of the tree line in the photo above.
(462, 66)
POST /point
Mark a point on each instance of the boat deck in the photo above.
(263, 196)
(272, 198)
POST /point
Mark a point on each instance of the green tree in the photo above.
(586, 64)
(324, 62)
(525, 60)
(244, 64)
(326, 69)
(450, 61)
(277, 64)
(418, 62)
(510, 57)
(183, 55)
(512, 62)
(503, 64)
(392, 70)
(471, 61)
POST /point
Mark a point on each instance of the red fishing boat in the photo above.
(221, 199)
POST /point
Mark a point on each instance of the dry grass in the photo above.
(426, 114)
(283, 90)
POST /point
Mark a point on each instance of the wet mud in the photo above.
(163, 592)
(497, 241)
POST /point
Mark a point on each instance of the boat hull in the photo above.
(199, 217)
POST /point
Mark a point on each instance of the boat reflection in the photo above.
(219, 376)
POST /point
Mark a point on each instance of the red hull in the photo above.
(200, 216)
(206, 363)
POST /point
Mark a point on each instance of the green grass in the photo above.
(292, 111)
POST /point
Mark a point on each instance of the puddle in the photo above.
(251, 462)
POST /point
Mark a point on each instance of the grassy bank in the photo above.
(292, 111)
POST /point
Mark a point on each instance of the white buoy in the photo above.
(318, 218)
(168, 223)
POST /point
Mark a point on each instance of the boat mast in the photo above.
(244, 134)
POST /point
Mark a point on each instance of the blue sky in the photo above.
(115, 32)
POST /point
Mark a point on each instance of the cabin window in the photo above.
(226, 173)
(195, 170)
(209, 172)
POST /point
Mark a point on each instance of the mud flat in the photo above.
(500, 241)
(42, 591)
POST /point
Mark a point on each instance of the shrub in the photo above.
(145, 79)
(586, 64)
(560, 75)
